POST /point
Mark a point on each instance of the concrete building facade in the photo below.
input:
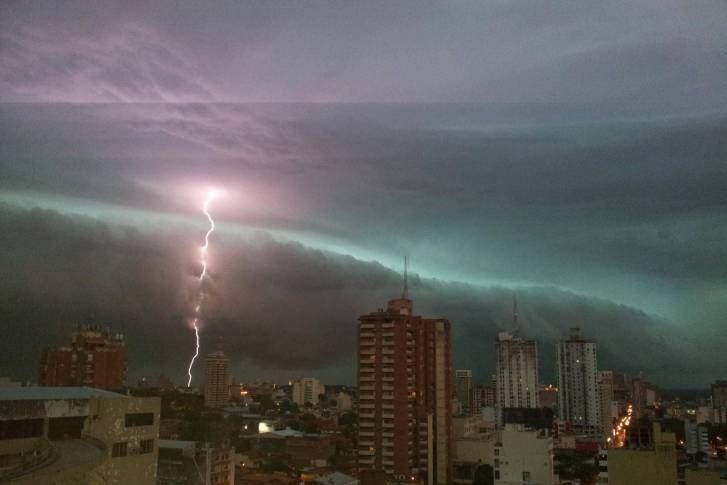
(516, 373)
(645, 465)
(307, 390)
(697, 438)
(77, 435)
(523, 457)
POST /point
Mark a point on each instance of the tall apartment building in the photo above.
(578, 398)
(307, 390)
(404, 382)
(463, 388)
(516, 373)
(719, 402)
(608, 408)
(217, 380)
(95, 358)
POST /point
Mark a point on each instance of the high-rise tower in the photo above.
(516, 369)
(404, 374)
(516, 373)
(217, 380)
(578, 396)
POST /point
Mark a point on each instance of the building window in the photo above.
(497, 474)
(146, 446)
(21, 428)
(139, 419)
(526, 476)
(119, 449)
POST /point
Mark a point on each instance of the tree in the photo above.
(484, 475)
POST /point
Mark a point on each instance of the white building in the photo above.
(474, 442)
(579, 405)
(516, 373)
(523, 457)
(307, 390)
(697, 437)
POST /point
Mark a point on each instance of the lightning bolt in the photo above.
(211, 196)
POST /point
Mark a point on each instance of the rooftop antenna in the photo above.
(515, 325)
(405, 292)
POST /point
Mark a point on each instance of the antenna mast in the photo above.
(405, 292)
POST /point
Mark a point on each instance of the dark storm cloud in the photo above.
(587, 154)
(278, 306)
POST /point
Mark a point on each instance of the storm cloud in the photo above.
(574, 154)
(276, 306)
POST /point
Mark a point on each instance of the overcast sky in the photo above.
(572, 152)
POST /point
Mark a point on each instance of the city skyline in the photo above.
(565, 154)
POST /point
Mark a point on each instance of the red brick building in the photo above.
(95, 358)
(405, 407)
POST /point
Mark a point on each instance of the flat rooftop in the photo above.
(51, 393)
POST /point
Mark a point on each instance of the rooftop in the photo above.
(337, 478)
(63, 455)
(49, 393)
